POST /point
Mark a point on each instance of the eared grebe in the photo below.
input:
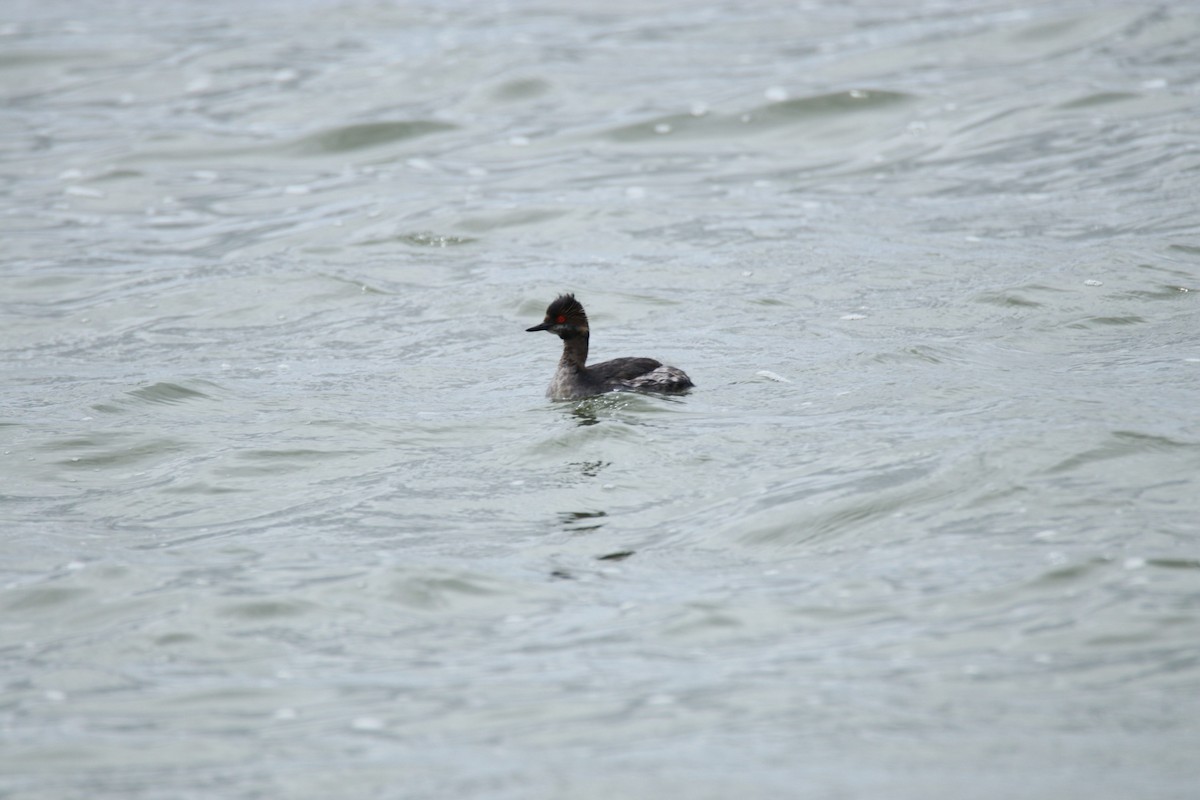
(574, 379)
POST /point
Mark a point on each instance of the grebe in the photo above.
(574, 379)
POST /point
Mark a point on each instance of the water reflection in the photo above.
(613, 405)
(619, 555)
(590, 469)
(585, 413)
(581, 521)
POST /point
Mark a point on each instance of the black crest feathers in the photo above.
(565, 305)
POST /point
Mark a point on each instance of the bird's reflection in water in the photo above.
(585, 414)
(590, 469)
(627, 407)
(581, 521)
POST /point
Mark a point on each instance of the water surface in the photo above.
(285, 511)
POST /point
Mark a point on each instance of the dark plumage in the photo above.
(573, 379)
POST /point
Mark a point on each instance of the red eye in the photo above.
(561, 319)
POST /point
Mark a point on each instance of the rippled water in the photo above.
(286, 514)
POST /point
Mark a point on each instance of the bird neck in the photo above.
(575, 351)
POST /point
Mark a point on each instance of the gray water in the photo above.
(286, 514)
